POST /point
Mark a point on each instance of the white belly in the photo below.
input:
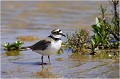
(52, 49)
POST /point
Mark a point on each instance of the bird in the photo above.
(49, 45)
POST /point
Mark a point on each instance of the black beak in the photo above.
(62, 34)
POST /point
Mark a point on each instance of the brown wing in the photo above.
(40, 45)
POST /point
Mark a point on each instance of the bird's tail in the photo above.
(25, 48)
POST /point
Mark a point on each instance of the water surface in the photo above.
(38, 18)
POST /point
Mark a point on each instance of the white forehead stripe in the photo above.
(57, 29)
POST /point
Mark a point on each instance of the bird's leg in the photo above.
(42, 59)
(49, 59)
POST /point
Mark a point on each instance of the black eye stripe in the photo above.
(56, 32)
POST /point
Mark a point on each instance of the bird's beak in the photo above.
(62, 34)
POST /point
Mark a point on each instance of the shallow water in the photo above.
(38, 18)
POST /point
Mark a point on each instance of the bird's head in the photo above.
(57, 33)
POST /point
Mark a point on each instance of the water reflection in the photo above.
(46, 73)
(101, 54)
(106, 54)
(29, 63)
(80, 57)
(12, 53)
(76, 66)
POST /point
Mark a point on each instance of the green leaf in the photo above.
(95, 28)
(98, 22)
(97, 37)
(93, 41)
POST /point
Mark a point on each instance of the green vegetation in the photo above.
(100, 37)
(77, 41)
(104, 27)
(113, 27)
(60, 51)
(14, 46)
(105, 30)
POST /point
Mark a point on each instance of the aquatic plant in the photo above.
(101, 36)
(112, 24)
(77, 41)
(105, 27)
(59, 52)
(114, 45)
(14, 46)
(115, 20)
